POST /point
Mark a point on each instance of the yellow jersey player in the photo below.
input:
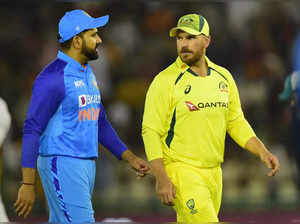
(188, 110)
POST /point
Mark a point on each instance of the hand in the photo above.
(25, 201)
(271, 162)
(165, 190)
(255, 145)
(141, 167)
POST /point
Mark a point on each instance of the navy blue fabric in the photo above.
(47, 93)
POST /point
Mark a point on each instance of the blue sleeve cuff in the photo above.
(31, 142)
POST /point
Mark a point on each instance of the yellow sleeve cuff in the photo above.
(240, 131)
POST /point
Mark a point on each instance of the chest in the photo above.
(202, 95)
(82, 92)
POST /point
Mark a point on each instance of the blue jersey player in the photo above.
(64, 123)
(291, 92)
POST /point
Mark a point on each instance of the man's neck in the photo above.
(76, 56)
(201, 67)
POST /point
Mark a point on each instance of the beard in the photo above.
(192, 58)
(91, 54)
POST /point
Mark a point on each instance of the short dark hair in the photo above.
(67, 44)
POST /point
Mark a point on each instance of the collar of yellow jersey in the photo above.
(183, 67)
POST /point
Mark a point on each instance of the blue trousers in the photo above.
(68, 184)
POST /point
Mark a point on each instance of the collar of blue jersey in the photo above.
(183, 67)
(75, 64)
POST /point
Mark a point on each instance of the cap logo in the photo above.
(186, 21)
(77, 28)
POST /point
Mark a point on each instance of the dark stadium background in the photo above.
(253, 39)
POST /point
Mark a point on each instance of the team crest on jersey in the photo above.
(223, 87)
(187, 89)
(94, 81)
(191, 205)
(191, 106)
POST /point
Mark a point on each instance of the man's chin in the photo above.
(93, 56)
(186, 60)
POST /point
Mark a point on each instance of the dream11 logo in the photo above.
(87, 114)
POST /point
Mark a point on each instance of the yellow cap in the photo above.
(193, 24)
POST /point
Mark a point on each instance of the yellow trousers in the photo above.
(198, 192)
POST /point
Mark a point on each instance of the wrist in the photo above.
(263, 153)
(128, 156)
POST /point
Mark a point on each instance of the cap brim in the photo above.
(173, 31)
(100, 21)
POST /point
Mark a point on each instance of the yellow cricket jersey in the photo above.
(186, 116)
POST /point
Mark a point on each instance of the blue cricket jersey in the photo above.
(66, 116)
(296, 65)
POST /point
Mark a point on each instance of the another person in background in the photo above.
(188, 110)
(5, 123)
(291, 93)
(65, 122)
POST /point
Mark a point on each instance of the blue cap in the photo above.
(76, 21)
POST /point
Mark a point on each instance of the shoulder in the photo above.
(221, 71)
(55, 68)
(52, 76)
(169, 75)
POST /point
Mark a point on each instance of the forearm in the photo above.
(128, 155)
(158, 168)
(28, 175)
(255, 146)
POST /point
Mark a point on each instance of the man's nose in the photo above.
(99, 40)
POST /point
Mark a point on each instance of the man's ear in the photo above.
(207, 41)
(77, 42)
